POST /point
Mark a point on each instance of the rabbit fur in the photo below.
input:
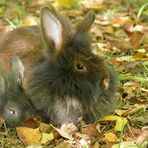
(66, 79)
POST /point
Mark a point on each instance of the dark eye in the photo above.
(80, 67)
(13, 112)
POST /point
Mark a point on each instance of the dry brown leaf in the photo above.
(136, 35)
(63, 133)
(136, 38)
(29, 136)
(69, 128)
(142, 137)
(91, 130)
(120, 20)
(32, 122)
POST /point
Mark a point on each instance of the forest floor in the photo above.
(120, 36)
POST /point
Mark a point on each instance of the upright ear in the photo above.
(85, 25)
(17, 68)
(2, 84)
(55, 28)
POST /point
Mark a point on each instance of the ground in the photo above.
(120, 36)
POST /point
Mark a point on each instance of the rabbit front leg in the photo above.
(66, 110)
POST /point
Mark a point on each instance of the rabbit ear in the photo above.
(86, 23)
(55, 28)
(17, 68)
(3, 84)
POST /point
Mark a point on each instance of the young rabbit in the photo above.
(72, 81)
(69, 81)
(15, 106)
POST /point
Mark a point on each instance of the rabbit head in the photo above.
(72, 77)
(71, 49)
(15, 106)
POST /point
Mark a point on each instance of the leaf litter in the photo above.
(120, 35)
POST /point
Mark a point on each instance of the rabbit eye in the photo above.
(13, 112)
(80, 67)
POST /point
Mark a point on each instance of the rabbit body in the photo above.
(25, 42)
(15, 105)
(67, 81)
(71, 82)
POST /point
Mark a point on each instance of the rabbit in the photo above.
(72, 81)
(15, 105)
(63, 78)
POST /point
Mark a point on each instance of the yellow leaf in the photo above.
(120, 121)
(46, 137)
(68, 3)
(110, 137)
(45, 128)
(30, 20)
(120, 112)
(29, 136)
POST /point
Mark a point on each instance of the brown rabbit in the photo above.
(69, 81)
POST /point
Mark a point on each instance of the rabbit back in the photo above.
(25, 42)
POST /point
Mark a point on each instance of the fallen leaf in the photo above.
(91, 130)
(135, 33)
(96, 6)
(83, 143)
(120, 121)
(63, 133)
(142, 137)
(45, 128)
(46, 137)
(74, 12)
(63, 145)
(129, 144)
(32, 122)
(120, 112)
(30, 20)
(134, 109)
(140, 56)
(69, 128)
(120, 20)
(142, 50)
(29, 136)
(142, 119)
(110, 137)
(68, 3)
(35, 146)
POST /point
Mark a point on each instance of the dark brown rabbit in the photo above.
(70, 81)
(15, 105)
